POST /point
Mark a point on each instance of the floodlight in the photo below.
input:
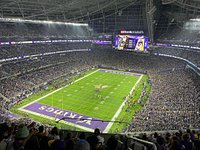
(41, 21)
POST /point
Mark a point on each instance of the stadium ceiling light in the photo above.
(42, 22)
(196, 19)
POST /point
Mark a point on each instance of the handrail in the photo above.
(180, 58)
(145, 142)
(159, 132)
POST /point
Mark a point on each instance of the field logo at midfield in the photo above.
(72, 117)
(101, 86)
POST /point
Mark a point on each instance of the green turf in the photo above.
(127, 116)
(104, 110)
(83, 98)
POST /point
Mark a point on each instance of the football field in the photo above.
(89, 102)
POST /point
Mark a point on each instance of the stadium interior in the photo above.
(100, 75)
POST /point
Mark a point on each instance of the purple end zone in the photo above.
(72, 117)
(135, 74)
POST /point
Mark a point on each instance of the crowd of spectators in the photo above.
(174, 140)
(33, 136)
(144, 63)
(16, 87)
(22, 77)
(173, 103)
(20, 50)
(189, 54)
(28, 135)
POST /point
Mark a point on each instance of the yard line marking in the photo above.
(120, 108)
(60, 88)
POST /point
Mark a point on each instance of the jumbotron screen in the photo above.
(131, 43)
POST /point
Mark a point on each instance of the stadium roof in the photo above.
(187, 4)
(59, 10)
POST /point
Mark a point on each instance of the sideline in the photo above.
(120, 108)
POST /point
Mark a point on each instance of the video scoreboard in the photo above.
(128, 42)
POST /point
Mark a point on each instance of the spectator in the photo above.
(97, 134)
(112, 143)
(69, 142)
(82, 145)
(94, 142)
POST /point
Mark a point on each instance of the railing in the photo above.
(154, 147)
(190, 64)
